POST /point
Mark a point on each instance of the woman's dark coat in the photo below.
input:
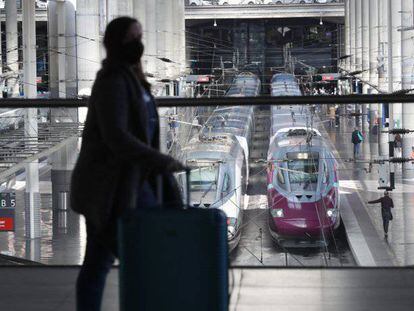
(116, 154)
(386, 205)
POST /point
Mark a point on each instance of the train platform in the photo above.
(363, 222)
(52, 288)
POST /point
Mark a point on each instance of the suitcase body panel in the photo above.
(173, 260)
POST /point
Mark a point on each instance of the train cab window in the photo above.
(303, 171)
(325, 173)
(279, 176)
(226, 185)
(203, 178)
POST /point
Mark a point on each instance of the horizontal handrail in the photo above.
(223, 101)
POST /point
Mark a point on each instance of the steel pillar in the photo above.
(373, 41)
(352, 42)
(358, 35)
(382, 72)
(373, 57)
(394, 60)
(161, 28)
(365, 43)
(181, 37)
(88, 43)
(170, 31)
(32, 196)
(61, 48)
(407, 64)
(12, 54)
(151, 35)
(347, 35)
(139, 12)
(365, 58)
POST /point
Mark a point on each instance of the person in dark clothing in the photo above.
(356, 139)
(386, 205)
(398, 145)
(119, 162)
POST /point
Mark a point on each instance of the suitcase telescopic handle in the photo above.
(160, 193)
(187, 185)
(160, 189)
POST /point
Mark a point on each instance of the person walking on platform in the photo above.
(332, 116)
(386, 205)
(119, 162)
(357, 139)
(398, 145)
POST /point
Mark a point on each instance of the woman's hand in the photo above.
(175, 166)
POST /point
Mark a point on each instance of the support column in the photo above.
(12, 54)
(151, 34)
(382, 72)
(365, 42)
(61, 48)
(373, 41)
(407, 64)
(365, 59)
(373, 57)
(139, 10)
(394, 83)
(88, 44)
(32, 197)
(169, 38)
(161, 28)
(347, 35)
(358, 34)
(63, 162)
(181, 36)
(87, 25)
(352, 42)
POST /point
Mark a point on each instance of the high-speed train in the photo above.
(11, 119)
(218, 157)
(302, 176)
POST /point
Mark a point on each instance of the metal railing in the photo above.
(224, 101)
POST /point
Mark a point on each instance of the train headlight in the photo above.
(331, 213)
(277, 213)
(231, 232)
(231, 227)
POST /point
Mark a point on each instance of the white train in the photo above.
(218, 156)
(11, 119)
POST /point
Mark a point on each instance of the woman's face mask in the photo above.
(132, 51)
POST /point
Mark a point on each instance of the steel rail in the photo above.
(224, 101)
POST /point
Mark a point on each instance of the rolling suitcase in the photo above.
(173, 260)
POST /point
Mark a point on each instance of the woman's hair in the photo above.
(114, 37)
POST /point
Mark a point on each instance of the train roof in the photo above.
(285, 85)
(283, 77)
(244, 84)
(296, 139)
(216, 147)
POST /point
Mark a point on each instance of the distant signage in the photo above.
(198, 78)
(204, 79)
(39, 80)
(330, 77)
(7, 200)
(7, 211)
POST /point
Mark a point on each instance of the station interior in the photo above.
(294, 119)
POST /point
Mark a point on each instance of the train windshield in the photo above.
(203, 178)
(303, 169)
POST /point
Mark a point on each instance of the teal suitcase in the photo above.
(173, 259)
